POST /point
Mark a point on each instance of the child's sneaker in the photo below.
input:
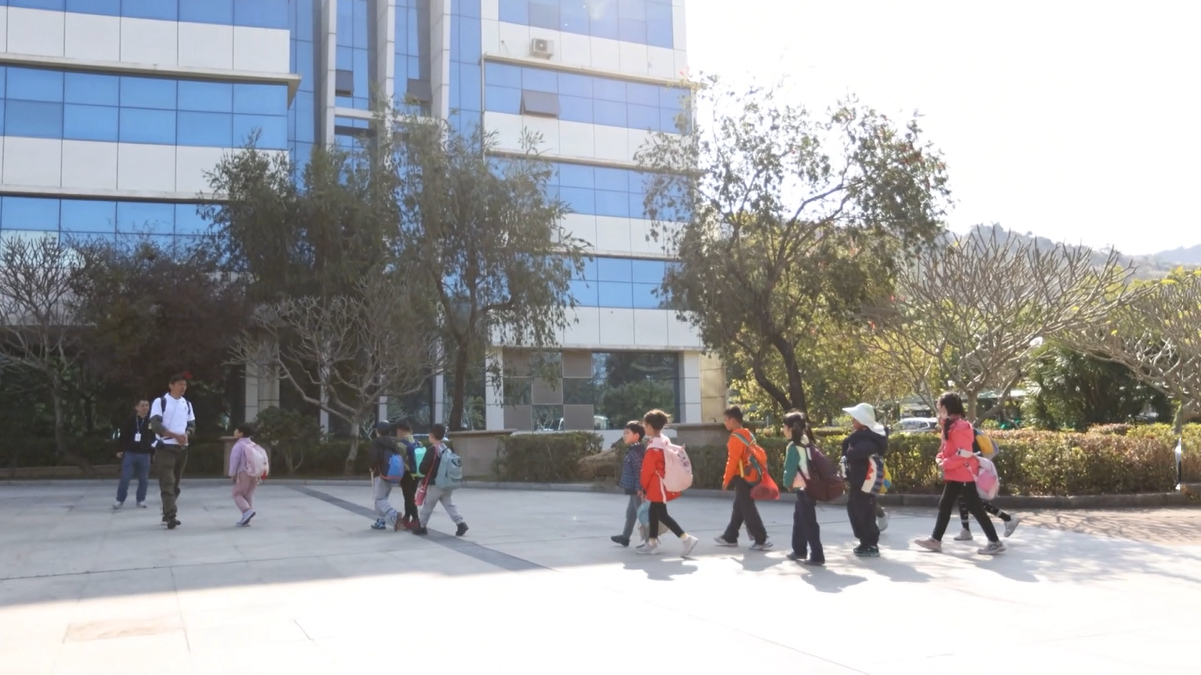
(1011, 525)
(649, 548)
(765, 546)
(379, 524)
(930, 544)
(722, 541)
(421, 531)
(461, 530)
(964, 535)
(867, 551)
(117, 505)
(142, 505)
(688, 543)
(620, 540)
(993, 548)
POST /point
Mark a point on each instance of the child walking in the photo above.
(241, 471)
(806, 533)
(631, 476)
(741, 475)
(408, 482)
(383, 447)
(965, 533)
(654, 467)
(435, 493)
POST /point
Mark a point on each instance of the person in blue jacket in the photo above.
(631, 478)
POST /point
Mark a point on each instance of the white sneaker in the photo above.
(765, 546)
(964, 535)
(688, 543)
(882, 522)
(1012, 525)
(117, 505)
(141, 505)
(993, 548)
(930, 544)
(650, 548)
(721, 541)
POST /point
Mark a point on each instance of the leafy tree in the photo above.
(150, 311)
(1074, 390)
(39, 333)
(787, 216)
(485, 234)
(974, 310)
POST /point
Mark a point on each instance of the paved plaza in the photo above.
(536, 585)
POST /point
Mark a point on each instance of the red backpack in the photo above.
(823, 485)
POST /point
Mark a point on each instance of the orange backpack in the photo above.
(758, 456)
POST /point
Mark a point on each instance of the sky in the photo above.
(1076, 121)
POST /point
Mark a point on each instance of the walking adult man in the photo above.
(137, 444)
(172, 419)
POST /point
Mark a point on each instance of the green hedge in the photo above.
(544, 457)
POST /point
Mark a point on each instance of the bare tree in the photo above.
(380, 340)
(972, 312)
(37, 326)
(1157, 335)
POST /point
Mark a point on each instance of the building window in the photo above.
(343, 82)
(539, 103)
(646, 22)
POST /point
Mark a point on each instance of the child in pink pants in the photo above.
(240, 471)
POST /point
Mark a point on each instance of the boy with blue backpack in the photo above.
(443, 471)
(383, 455)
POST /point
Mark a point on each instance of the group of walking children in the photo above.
(427, 477)
(648, 481)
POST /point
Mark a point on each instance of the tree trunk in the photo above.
(354, 447)
(796, 386)
(458, 392)
(60, 436)
(970, 405)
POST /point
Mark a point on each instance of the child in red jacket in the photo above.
(653, 468)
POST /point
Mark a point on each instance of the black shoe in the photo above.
(461, 530)
(421, 531)
(867, 551)
(618, 539)
(795, 557)
(173, 523)
(814, 563)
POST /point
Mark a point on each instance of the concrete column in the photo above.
(690, 387)
(326, 46)
(440, 23)
(440, 398)
(384, 70)
(494, 399)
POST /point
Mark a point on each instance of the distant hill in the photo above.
(1148, 266)
(1181, 255)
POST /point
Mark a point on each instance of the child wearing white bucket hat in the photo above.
(866, 441)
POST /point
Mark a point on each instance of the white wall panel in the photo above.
(490, 36)
(613, 234)
(581, 226)
(606, 55)
(514, 39)
(262, 50)
(545, 127)
(613, 143)
(691, 364)
(574, 48)
(679, 26)
(149, 41)
(680, 333)
(650, 328)
(92, 37)
(617, 327)
(146, 167)
(191, 165)
(577, 139)
(89, 165)
(507, 128)
(33, 162)
(490, 9)
(203, 45)
(4, 29)
(661, 62)
(586, 330)
(583, 51)
(633, 59)
(35, 31)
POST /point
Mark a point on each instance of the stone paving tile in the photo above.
(536, 584)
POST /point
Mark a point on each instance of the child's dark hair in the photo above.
(798, 426)
(437, 432)
(402, 425)
(656, 419)
(636, 427)
(951, 401)
(246, 428)
(734, 413)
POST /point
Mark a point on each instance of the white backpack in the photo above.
(677, 468)
(258, 464)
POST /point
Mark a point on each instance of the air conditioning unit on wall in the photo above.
(542, 48)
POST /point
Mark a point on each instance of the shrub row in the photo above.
(544, 458)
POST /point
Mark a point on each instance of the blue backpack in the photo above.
(450, 470)
(396, 469)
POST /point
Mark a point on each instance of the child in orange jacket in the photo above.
(742, 475)
(653, 468)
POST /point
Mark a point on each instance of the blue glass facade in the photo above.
(646, 22)
(88, 218)
(250, 13)
(354, 42)
(621, 283)
(602, 191)
(466, 75)
(43, 103)
(586, 98)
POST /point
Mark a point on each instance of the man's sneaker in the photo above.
(650, 548)
(117, 505)
(461, 530)
(1011, 525)
(813, 563)
(993, 548)
(964, 535)
(379, 524)
(882, 522)
(765, 546)
(141, 505)
(620, 540)
(688, 543)
(930, 544)
(421, 531)
(867, 551)
(722, 541)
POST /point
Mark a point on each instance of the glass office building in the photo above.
(113, 110)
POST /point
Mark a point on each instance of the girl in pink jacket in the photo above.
(959, 468)
(240, 471)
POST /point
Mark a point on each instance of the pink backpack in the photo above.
(677, 472)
